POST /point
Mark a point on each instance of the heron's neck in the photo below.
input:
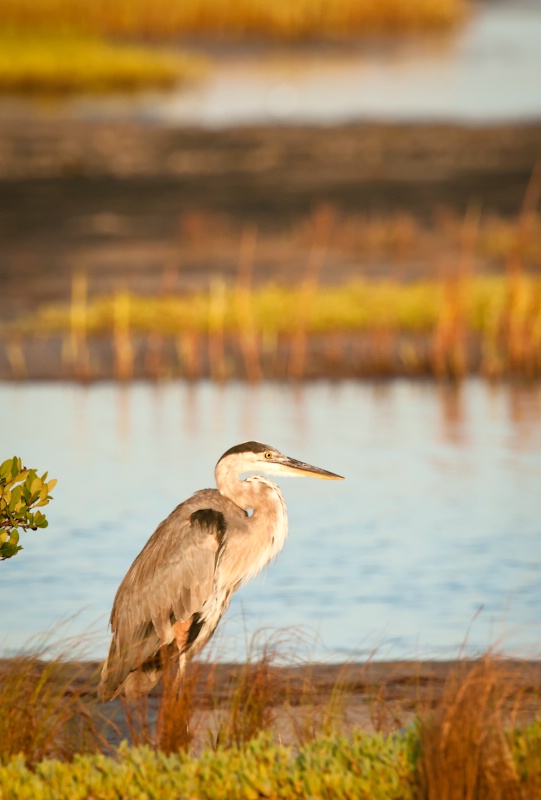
(231, 486)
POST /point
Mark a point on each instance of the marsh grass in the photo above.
(472, 736)
(16, 357)
(122, 338)
(251, 704)
(466, 741)
(46, 710)
(33, 63)
(447, 328)
(168, 723)
(249, 335)
(458, 319)
(322, 225)
(280, 19)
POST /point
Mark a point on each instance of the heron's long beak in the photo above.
(293, 467)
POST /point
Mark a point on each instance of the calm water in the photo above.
(438, 522)
(485, 71)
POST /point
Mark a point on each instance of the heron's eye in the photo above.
(268, 455)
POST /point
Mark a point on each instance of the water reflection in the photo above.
(438, 518)
(452, 414)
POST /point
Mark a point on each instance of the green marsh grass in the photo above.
(57, 64)
(448, 327)
(459, 319)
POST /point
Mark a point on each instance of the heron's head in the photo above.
(257, 457)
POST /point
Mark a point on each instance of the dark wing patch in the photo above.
(194, 630)
(213, 520)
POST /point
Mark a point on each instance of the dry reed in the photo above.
(45, 709)
(16, 358)
(216, 318)
(322, 223)
(248, 335)
(166, 723)
(123, 344)
(465, 741)
(76, 350)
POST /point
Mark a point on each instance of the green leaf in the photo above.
(35, 486)
(21, 489)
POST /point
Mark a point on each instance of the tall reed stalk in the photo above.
(77, 355)
(322, 222)
(450, 354)
(16, 357)
(246, 323)
(216, 314)
(123, 346)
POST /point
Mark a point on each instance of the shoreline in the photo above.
(366, 356)
(376, 696)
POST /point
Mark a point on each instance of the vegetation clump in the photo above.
(280, 19)
(368, 767)
(21, 491)
(59, 46)
(469, 733)
(448, 327)
(33, 63)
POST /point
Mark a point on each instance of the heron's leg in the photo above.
(179, 679)
(180, 631)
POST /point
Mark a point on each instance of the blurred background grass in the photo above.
(34, 63)
(282, 19)
(67, 46)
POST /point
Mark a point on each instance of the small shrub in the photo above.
(21, 490)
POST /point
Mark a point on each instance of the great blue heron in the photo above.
(182, 581)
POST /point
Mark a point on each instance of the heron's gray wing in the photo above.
(168, 582)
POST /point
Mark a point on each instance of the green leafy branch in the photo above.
(21, 491)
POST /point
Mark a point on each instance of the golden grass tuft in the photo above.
(466, 740)
(45, 709)
(167, 723)
(251, 704)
